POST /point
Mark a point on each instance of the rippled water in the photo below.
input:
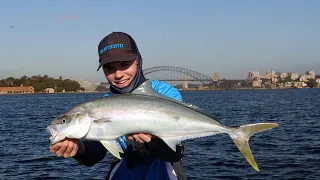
(290, 151)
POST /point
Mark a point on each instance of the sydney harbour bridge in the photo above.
(178, 76)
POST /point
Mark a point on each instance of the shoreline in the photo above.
(190, 89)
(194, 89)
(38, 93)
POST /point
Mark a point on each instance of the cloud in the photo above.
(69, 17)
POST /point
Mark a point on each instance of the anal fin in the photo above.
(113, 147)
(172, 142)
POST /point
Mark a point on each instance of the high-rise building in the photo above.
(215, 76)
(252, 75)
(311, 74)
(294, 76)
(283, 75)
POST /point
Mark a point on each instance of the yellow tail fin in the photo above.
(242, 139)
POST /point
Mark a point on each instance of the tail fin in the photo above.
(242, 139)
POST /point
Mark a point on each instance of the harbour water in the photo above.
(290, 151)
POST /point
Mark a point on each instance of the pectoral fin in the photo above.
(102, 120)
(113, 147)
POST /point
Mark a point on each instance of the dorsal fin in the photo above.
(146, 89)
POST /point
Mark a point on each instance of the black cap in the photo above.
(117, 46)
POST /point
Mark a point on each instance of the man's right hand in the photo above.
(68, 148)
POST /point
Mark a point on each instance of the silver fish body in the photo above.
(108, 118)
(127, 114)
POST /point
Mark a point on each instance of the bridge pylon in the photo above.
(185, 83)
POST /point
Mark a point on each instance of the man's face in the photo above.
(121, 73)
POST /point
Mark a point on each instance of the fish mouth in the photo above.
(57, 136)
(54, 133)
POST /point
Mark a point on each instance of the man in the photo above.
(145, 156)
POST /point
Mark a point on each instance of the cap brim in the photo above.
(116, 58)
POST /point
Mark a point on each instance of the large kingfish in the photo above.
(144, 110)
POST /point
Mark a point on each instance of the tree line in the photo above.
(40, 83)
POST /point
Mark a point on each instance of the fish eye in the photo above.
(64, 121)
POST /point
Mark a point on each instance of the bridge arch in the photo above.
(193, 75)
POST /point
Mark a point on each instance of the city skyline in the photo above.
(232, 39)
(215, 76)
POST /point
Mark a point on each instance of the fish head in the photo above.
(75, 123)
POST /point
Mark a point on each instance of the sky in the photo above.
(60, 38)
